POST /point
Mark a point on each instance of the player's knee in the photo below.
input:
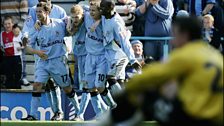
(51, 84)
(104, 92)
(93, 94)
(67, 89)
(111, 81)
(111, 77)
(120, 81)
(47, 89)
(37, 87)
(71, 93)
(100, 89)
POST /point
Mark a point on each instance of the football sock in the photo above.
(35, 103)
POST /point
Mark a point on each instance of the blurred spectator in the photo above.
(182, 13)
(178, 5)
(138, 50)
(126, 8)
(18, 9)
(139, 22)
(158, 14)
(137, 46)
(210, 33)
(139, 2)
(18, 34)
(199, 7)
(11, 64)
(218, 14)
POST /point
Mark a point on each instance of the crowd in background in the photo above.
(141, 18)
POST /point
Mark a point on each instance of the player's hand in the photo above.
(137, 66)
(37, 25)
(25, 41)
(41, 54)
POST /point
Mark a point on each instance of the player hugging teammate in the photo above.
(102, 55)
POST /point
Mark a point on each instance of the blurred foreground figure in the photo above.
(198, 70)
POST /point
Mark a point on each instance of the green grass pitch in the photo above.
(60, 123)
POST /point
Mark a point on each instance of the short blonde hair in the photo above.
(77, 9)
(210, 17)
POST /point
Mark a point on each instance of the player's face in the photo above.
(95, 12)
(207, 23)
(16, 31)
(179, 37)
(104, 8)
(41, 14)
(76, 18)
(137, 49)
(8, 25)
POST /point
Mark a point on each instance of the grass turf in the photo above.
(60, 123)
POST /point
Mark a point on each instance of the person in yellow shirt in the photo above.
(198, 70)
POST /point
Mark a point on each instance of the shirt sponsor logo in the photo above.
(52, 43)
(79, 42)
(95, 38)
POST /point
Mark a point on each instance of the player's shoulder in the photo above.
(191, 51)
(58, 9)
(87, 16)
(56, 20)
(117, 18)
(33, 8)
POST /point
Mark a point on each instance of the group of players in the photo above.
(101, 44)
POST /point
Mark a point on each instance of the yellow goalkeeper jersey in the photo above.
(199, 71)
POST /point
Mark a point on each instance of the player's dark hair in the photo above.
(110, 3)
(190, 25)
(16, 26)
(45, 6)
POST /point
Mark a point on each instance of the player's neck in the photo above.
(109, 16)
(46, 21)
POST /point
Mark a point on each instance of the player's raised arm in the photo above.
(122, 36)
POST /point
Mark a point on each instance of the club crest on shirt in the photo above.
(28, 19)
(57, 33)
